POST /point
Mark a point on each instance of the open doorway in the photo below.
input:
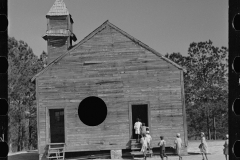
(139, 111)
(57, 133)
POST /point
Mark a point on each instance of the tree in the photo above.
(23, 65)
(205, 85)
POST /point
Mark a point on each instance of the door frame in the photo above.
(130, 114)
(48, 131)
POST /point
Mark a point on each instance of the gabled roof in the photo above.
(58, 9)
(107, 23)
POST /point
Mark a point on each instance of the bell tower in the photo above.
(59, 34)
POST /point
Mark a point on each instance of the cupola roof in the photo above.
(58, 9)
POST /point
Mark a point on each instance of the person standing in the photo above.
(178, 145)
(137, 127)
(149, 138)
(203, 146)
(225, 150)
(162, 145)
(143, 129)
(144, 145)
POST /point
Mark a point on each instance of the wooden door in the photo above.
(57, 133)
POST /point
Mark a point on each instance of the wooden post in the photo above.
(184, 111)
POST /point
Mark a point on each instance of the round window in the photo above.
(92, 111)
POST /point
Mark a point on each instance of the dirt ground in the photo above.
(215, 153)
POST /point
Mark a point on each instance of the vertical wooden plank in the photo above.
(48, 26)
(149, 116)
(183, 108)
(68, 20)
(48, 52)
(65, 122)
(37, 100)
(130, 119)
(47, 125)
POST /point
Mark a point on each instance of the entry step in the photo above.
(139, 153)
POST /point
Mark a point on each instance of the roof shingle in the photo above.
(58, 9)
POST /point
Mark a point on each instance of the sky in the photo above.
(167, 26)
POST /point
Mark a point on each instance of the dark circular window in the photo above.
(236, 24)
(235, 149)
(235, 106)
(92, 111)
(235, 64)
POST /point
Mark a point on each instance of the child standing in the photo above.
(225, 150)
(149, 138)
(178, 145)
(137, 127)
(162, 145)
(144, 145)
(203, 146)
(143, 129)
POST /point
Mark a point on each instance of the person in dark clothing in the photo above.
(225, 150)
(143, 129)
(162, 145)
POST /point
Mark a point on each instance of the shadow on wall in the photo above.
(129, 144)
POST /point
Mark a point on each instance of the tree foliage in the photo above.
(23, 65)
(206, 87)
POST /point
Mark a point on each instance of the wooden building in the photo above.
(132, 79)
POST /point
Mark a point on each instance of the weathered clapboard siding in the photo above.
(57, 46)
(58, 22)
(116, 69)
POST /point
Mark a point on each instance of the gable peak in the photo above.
(58, 9)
